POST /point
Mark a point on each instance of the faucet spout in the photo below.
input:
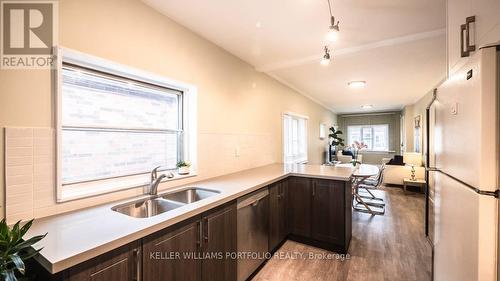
(153, 186)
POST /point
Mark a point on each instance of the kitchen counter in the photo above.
(80, 235)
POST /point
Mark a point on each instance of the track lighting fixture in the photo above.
(333, 32)
(325, 60)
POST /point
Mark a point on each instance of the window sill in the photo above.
(95, 188)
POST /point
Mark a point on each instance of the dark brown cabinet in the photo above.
(278, 228)
(122, 264)
(194, 250)
(219, 239)
(327, 221)
(320, 212)
(173, 253)
(299, 202)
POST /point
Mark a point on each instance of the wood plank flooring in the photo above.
(389, 247)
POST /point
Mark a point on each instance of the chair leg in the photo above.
(372, 200)
(363, 206)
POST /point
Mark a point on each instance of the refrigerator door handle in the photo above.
(495, 193)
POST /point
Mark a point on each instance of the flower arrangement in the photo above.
(355, 148)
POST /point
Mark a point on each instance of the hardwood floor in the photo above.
(389, 247)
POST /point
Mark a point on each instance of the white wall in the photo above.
(237, 106)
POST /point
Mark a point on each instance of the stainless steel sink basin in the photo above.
(190, 195)
(146, 208)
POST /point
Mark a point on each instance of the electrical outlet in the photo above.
(237, 152)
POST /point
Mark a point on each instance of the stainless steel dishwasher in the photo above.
(253, 232)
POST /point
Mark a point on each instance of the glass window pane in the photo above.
(99, 101)
(381, 139)
(295, 139)
(376, 137)
(92, 155)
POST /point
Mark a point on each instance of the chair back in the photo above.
(380, 179)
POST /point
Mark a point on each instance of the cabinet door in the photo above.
(219, 239)
(328, 211)
(283, 211)
(122, 264)
(277, 214)
(299, 203)
(274, 215)
(172, 254)
(487, 26)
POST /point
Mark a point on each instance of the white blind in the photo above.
(376, 137)
(113, 126)
(295, 138)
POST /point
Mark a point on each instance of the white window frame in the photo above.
(98, 187)
(304, 159)
(373, 136)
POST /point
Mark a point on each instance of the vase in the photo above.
(183, 170)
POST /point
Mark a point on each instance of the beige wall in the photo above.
(410, 112)
(237, 106)
(390, 118)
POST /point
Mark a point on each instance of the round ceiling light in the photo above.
(357, 84)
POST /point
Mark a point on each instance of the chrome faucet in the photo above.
(152, 188)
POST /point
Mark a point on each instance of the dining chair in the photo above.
(370, 184)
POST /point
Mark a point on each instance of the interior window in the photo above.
(294, 138)
(376, 137)
(105, 119)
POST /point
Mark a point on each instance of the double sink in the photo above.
(155, 205)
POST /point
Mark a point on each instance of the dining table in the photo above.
(361, 172)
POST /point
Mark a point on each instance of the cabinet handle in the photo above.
(314, 188)
(206, 237)
(463, 49)
(137, 257)
(468, 21)
(255, 203)
(200, 233)
(465, 46)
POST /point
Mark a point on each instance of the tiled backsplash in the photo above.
(29, 165)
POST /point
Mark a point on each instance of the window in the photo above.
(376, 137)
(294, 138)
(113, 128)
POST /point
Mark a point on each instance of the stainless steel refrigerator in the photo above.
(464, 171)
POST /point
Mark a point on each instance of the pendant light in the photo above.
(325, 60)
(333, 32)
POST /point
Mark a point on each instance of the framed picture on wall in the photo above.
(322, 131)
(417, 133)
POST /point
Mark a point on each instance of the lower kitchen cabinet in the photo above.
(122, 264)
(278, 227)
(299, 202)
(194, 250)
(320, 212)
(173, 253)
(327, 220)
(219, 238)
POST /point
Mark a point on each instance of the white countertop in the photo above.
(80, 235)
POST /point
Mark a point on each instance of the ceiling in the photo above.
(398, 47)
